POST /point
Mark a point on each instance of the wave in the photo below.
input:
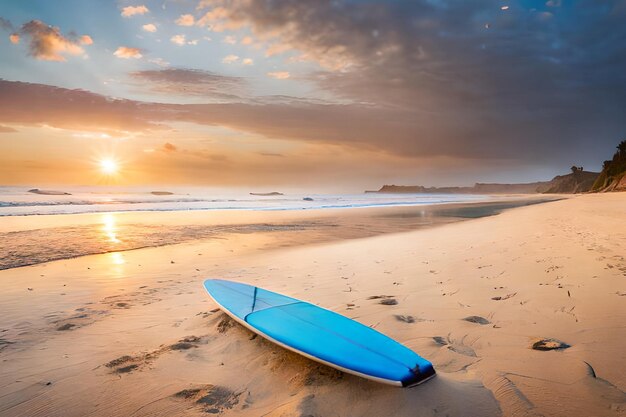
(19, 203)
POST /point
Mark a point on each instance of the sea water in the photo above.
(18, 201)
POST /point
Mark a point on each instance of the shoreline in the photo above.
(99, 233)
(18, 208)
(135, 334)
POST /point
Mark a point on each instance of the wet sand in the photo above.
(30, 240)
(133, 333)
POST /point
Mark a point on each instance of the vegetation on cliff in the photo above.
(613, 175)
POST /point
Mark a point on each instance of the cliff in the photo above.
(613, 175)
(578, 181)
(478, 188)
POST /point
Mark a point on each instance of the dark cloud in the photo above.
(6, 24)
(384, 129)
(37, 104)
(534, 79)
(186, 82)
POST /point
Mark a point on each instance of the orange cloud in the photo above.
(129, 11)
(185, 20)
(150, 27)
(86, 40)
(178, 39)
(279, 75)
(168, 147)
(126, 52)
(230, 59)
(216, 20)
(14, 38)
(47, 43)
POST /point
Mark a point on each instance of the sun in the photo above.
(109, 166)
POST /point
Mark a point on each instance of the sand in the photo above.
(133, 334)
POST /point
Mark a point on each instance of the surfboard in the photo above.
(320, 334)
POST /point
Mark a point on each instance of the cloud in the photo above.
(6, 24)
(178, 39)
(247, 40)
(47, 43)
(150, 27)
(14, 38)
(217, 20)
(279, 75)
(86, 40)
(416, 79)
(185, 20)
(7, 129)
(168, 147)
(126, 52)
(231, 40)
(160, 62)
(230, 59)
(191, 82)
(463, 84)
(44, 105)
(383, 129)
(247, 61)
(129, 11)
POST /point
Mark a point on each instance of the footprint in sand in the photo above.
(213, 399)
(405, 319)
(125, 364)
(549, 344)
(225, 324)
(387, 300)
(505, 297)
(452, 345)
(477, 320)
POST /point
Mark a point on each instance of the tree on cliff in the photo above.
(621, 149)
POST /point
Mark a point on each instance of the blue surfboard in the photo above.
(320, 334)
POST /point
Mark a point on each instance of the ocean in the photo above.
(18, 201)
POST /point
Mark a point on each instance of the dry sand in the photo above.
(134, 334)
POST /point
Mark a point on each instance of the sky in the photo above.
(341, 94)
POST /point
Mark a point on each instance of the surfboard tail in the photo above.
(419, 375)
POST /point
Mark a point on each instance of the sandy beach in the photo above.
(133, 333)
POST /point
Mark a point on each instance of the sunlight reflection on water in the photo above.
(109, 228)
(117, 258)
